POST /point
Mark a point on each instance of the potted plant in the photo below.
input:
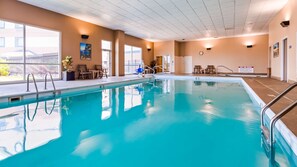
(68, 73)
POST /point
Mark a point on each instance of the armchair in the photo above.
(83, 71)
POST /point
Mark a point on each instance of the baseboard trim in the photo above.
(277, 78)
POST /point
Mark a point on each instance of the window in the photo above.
(2, 24)
(19, 41)
(106, 45)
(2, 42)
(41, 53)
(19, 26)
(106, 56)
(133, 59)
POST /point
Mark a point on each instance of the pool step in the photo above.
(265, 140)
(265, 132)
(265, 145)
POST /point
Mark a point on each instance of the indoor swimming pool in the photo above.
(176, 123)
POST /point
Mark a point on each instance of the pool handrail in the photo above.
(161, 67)
(45, 81)
(34, 81)
(150, 68)
(275, 100)
(277, 117)
(225, 68)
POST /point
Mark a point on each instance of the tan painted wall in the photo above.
(166, 48)
(70, 28)
(179, 62)
(119, 52)
(278, 33)
(230, 52)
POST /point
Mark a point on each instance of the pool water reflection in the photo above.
(163, 123)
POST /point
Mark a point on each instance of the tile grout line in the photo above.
(273, 90)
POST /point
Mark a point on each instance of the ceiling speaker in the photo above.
(285, 23)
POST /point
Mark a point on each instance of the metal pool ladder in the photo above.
(224, 68)
(150, 68)
(45, 82)
(268, 132)
(34, 81)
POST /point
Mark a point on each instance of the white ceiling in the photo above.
(171, 19)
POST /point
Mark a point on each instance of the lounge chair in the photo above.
(83, 71)
(210, 69)
(198, 69)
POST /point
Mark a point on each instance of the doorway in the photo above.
(107, 56)
(163, 63)
(166, 63)
(188, 64)
(285, 61)
(159, 63)
(106, 61)
(269, 62)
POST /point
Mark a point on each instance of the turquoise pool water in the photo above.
(168, 123)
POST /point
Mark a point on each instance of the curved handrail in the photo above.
(225, 68)
(275, 100)
(277, 117)
(150, 68)
(45, 81)
(161, 67)
(34, 81)
(53, 107)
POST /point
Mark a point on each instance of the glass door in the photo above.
(107, 56)
(106, 61)
(166, 63)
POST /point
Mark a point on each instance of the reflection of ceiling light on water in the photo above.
(209, 109)
(208, 101)
(148, 104)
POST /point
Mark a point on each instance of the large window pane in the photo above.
(2, 24)
(106, 45)
(2, 42)
(39, 46)
(128, 59)
(11, 72)
(12, 51)
(39, 71)
(42, 46)
(136, 53)
(133, 58)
